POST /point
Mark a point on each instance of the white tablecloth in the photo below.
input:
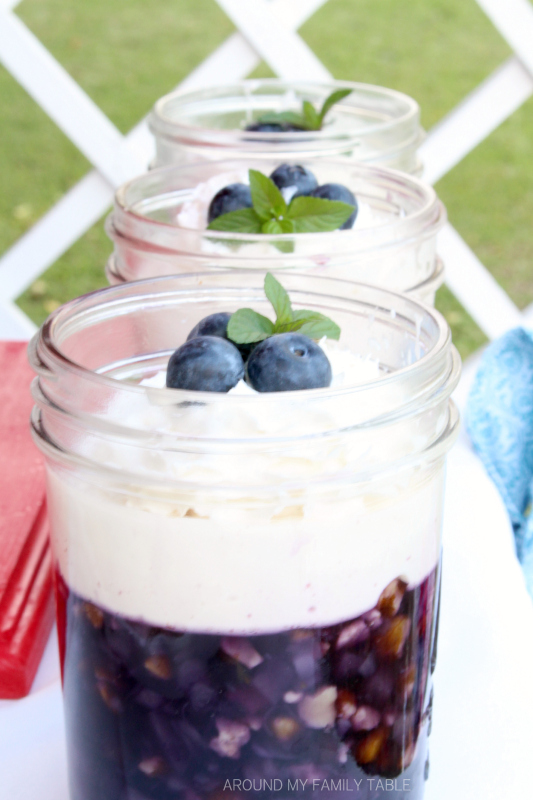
(482, 741)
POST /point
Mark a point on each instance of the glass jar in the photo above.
(392, 243)
(247, 584)
(372, 124)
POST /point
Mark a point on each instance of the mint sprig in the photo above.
(246, 326)
(309, 119)
(271, 214)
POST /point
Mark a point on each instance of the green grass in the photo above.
(126, 54)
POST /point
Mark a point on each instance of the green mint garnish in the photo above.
(246, 326)
(309, 119)
(271, 214)
(244, 221)
(267, 200)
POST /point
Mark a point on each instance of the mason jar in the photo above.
(372, 124)
(158, 227)
(247, 583)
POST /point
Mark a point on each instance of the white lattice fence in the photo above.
(267, 30)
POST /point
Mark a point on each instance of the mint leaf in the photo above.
(290, 117)
(246, 326)
(305, 314)
(276, 226)
(243, 221)
(330, 101)
(284, 246)
(267, 199)
(317, 328)
(279, 299)
(312, 324)
(312, 119)
(314, 214)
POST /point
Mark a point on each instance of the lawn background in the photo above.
(127, 53)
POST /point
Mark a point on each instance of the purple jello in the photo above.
(155, 713)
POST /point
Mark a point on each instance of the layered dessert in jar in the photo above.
(163, 224)
(246, 522)
(287, 119)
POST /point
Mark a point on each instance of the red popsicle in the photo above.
(26, 602)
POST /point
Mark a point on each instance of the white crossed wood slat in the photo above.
(267, 29)
(85, 203)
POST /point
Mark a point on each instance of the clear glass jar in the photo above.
(373, 125)
(247, 585)
(392, 243)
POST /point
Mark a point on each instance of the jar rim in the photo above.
(405, 394)
(427, 218)
(425, 287)
(44, 341)
(161, 120)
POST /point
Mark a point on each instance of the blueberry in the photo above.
(288, 175)
(213, 325)
(231, 198)
(336, 191)
(287, 362)
(205, 364)
(217, 325)
(273, 127)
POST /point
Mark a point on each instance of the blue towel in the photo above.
(499, 419)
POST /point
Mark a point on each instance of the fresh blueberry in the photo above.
(217, 325)
(231, 198)
(213, 325)
(287, 362)
(287, 176)
(205, 364)
(273, 127)
(336, 191)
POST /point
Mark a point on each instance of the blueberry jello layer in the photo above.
(157, 712)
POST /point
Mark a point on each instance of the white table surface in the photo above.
(482, 741)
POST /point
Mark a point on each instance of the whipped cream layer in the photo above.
(242, 569)
(209, 556)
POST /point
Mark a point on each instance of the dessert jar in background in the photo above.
(372, 124)
(247, 584)
(158, 227)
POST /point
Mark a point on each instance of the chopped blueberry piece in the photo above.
(318, 710)
(231, 198)
(365, 718)
(241, 650)
(205, 364)
(288, 362)
(345, 704)
(231, 737)
(213, 325)
(284, 728)
(287, 176)
(352, 634)
(336, 191)
(391, 598)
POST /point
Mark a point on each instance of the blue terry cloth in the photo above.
(499, 419)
